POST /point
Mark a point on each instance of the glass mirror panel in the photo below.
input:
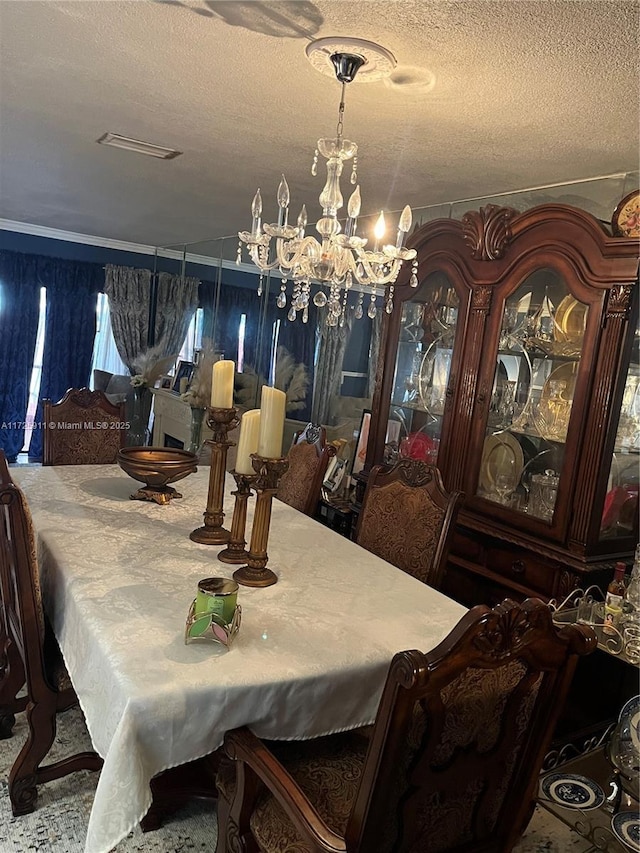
(620, 510)
(534, 380)
(423, 363)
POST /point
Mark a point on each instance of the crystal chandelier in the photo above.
(340, 259)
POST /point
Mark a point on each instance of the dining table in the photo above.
(118, 577)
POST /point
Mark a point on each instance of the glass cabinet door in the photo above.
(533, 385)
(423, 363)
(620, 510)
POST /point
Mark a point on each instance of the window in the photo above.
(36, 371)
(193, 339)
(242, 327)
(105, 352)
(275, 334)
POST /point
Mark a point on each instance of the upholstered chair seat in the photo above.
(407, 518)
(327, 770)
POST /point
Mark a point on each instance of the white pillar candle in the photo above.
(248, 441)
(272, 407)
(222, 384)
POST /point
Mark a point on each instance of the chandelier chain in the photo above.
(340, 127)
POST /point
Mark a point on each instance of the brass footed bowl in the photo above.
(157, 467)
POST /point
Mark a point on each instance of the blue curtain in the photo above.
(19, 309)
(70, 330)
(300, 339)
(223, 326)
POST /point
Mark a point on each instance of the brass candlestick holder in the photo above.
(235, 552)
(220, 422)
(268, 474)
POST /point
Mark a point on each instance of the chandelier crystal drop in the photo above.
(340, 260)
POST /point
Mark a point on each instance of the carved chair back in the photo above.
(30, 657)
(83, 428)
(462, 731)
(309, 455)
(407, 518)
(451, 764)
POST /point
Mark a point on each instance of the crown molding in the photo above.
(120, 245)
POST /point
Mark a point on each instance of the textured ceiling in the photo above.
(487, 97)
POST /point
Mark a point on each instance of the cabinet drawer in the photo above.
(522, 567)
(468, 546)
(498, 562)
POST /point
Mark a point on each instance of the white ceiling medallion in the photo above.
(378, 61)
(115, 140)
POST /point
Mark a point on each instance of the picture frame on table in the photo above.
(165, 382)
(184, 370)
(361, 443)
(334, 474)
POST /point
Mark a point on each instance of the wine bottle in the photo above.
(614, 599)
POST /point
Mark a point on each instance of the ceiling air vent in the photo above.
(159, 151)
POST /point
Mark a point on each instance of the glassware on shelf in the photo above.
(500, 468)
(631, 637)
(507, 403)
(541, 325)
(632, 592)
(543, 494)
(554, 410)
(433, 378)
(629, 423)
(504, 486)
(412, 381)
(412, 316)
(509, 323)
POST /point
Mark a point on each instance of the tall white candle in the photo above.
(248, 441)
(222, 384)
(272, 407)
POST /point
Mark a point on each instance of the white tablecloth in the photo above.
(118, 578)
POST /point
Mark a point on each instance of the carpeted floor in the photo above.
(60, 819)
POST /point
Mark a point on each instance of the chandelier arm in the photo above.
(372, 278)
(254, 254)
(289, 257)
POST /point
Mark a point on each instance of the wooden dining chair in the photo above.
(32, 659)
(452, 761)
(407, 518)
(83, 428)
(308, 457)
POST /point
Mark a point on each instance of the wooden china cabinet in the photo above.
(515, 365)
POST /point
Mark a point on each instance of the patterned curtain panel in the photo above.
(19, 309)
(374, 352)
(129, 292)
(70, 330)
(333, 345)
(176, 303)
